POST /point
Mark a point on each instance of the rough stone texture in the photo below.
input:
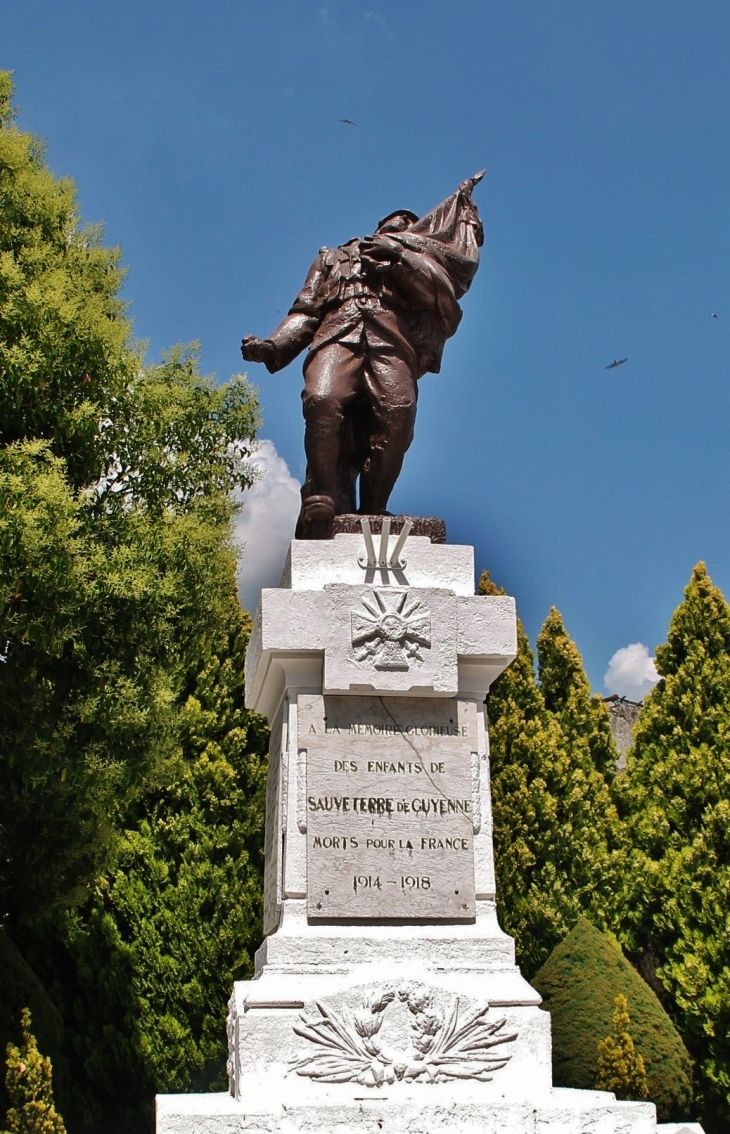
(429, 526)
(312, 564)
(623, 715)
(273, 848)
(473, 639)
(372, 1020)
(559, 1112)
(298, 950)
(486, 630)
(391, 640)
(391, 810)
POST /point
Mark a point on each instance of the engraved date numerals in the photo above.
(366, 882)
(406, 882)
(413, 882)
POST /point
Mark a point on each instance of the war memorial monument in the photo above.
(386, 997)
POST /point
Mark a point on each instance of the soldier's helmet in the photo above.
(397, 221)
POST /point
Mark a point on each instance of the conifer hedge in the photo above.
(673, 914)
(555, 825)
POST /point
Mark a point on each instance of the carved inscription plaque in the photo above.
(389, 810)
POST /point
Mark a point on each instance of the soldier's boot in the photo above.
(317, 517)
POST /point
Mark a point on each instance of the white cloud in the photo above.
(265, 524)
(631, 672)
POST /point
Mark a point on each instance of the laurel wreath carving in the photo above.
(446, 1044)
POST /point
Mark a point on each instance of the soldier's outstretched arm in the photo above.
(296, 330)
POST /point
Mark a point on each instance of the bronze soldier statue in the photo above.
(375, 314)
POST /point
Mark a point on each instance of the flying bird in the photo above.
(348, 122)
(713, 315)
(616, 362)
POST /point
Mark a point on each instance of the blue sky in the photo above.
(206, 137)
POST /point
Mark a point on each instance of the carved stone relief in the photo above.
(390, 630)
(232, 1063)
(390, 640)
(389, 806)
(440, 1039)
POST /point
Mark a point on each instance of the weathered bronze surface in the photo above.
(375, 314)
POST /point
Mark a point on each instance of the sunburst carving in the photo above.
(391, 631)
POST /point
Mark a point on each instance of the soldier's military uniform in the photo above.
(373, 328)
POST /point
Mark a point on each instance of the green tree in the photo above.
(554, 822)
(583, 719)
(149, 962)
(63, 331)
(116, 563)
(675, 803)
(131, 776)
(620, 1067)
(28, 1082)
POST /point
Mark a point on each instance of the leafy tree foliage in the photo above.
(29, 1084)
(675, 801)
(63, 334)
(554, 822)
(131, 776)
(620, 1068)
(150, 960)
(115, 558)
(579, 984)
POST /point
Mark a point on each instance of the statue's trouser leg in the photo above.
(392, 391)
(332, 378)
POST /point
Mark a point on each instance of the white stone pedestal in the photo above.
(386, 996)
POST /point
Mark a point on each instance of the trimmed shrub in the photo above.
(579, 984)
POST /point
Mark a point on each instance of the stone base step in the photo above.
(561, 1112)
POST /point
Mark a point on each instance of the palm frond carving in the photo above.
(453, 1045)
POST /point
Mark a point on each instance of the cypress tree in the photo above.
(554, 821)
(675, 802)
(28, 1081)
(583, 719)
(620, 1067)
